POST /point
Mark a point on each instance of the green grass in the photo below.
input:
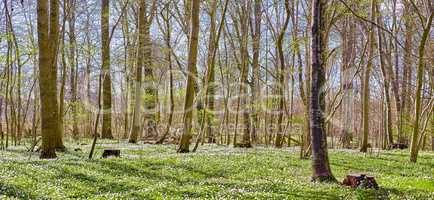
(215, 172)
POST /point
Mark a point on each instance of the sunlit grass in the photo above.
(157, 172)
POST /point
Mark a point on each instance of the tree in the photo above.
(279, 45)
(348, 55)
(135, 129)
(107, 83)
(366, 77)
(255, 67)
(388, 128)
(184, 143)
(320, 160)
(48, 35)
(414, 149)
(150, 97)
(73, 64)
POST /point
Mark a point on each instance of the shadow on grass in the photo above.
(16, 191)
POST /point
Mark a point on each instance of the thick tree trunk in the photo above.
(320, 160)
(47, 41)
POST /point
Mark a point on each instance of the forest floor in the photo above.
(214, 172)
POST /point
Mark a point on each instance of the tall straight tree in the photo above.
(366, 76)
(48, 34)
(74, 70)
(245, 8)
(348, 55)
(135, 129)
(107, 83)
(192, 60)
(210, 73)
(320, 160)
(255, 67)
(149, 88)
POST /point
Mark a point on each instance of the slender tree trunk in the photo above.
(74, 69)
(281, 85)
(245, 70)
(386, 79)
(135, 129)
(63, 79)
(192, 60)
(366, 77)
(107, 83)
(348, 55)
(414, 150)
(256, 90)
(210, 87)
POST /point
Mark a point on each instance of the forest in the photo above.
(216, 99)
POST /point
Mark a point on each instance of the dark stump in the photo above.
(111, 153)
(398, 146)
(360, 181)
(243, 145)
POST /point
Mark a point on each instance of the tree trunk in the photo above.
(281, 85)
(386, 79)
(189, 96)
(256, 90)
(47, 41)
(348, 55)
(135, 128)
(414, 150)
(366, 76)
(74, 68)
(320, 160)
(107, 83)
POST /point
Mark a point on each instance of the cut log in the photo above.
(398, 146)
(360, 181)
(111, 153)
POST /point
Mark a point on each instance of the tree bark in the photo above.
(189, 96)
(135, 128)
(107, 83)
(366, 77)
(47, 41)
(320, 160)
(414, 149)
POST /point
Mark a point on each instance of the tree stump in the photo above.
(360, 181)
(243, 145)
(111, 153)
(398, 146)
